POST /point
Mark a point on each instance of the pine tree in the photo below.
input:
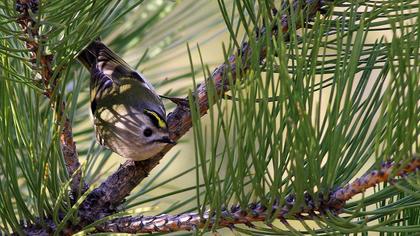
(304, 118)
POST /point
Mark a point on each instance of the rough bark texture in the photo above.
(374, 177)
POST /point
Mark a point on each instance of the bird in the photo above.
(128, 114)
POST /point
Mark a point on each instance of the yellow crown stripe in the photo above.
(161, 123)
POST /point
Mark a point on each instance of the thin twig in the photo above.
(41, 59)
(372, 178)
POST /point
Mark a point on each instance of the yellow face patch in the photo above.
(155, 118)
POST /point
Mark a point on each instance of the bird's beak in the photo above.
(166, 139)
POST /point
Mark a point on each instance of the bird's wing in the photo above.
(100, 84)
(106, 56)
(114, 66)
(111, 71)
(117, 69)
(140, 77)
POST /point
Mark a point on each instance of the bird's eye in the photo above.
(147, 132)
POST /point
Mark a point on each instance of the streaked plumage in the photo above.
(128, 114)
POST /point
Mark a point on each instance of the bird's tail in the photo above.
(97, 52)
(87, 56)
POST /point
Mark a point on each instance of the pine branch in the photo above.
(256, 212)
(39, 58)
(375, 177)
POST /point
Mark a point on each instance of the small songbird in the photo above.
(128, 114)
